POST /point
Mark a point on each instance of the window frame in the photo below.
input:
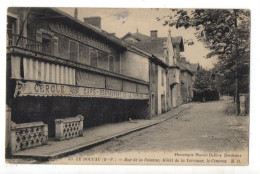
(95, 51)
(162, 77)
(113, 58)
(70, 51)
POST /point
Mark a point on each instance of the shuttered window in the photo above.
(111, 63)
(74, 51)
(102, 60)
(83, 54)
(55, 46)
(93, 58)
(63, 47)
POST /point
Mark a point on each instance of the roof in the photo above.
(109, 36)
(92, 28)
(184, 68)
(154, 47)
(137, 35)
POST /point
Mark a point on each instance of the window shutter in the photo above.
(38, 36)
(111, 64)
(55, 46)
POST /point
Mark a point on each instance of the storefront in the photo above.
(64, 68)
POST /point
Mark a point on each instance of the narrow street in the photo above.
(203, 127)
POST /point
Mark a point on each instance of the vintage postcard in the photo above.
(127, 86)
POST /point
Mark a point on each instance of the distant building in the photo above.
(167, 49)
(187, 77)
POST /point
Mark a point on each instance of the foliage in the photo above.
(226, 32)
(204, 81)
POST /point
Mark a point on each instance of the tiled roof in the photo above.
(137, 35)
(154, 47)
(183, 67)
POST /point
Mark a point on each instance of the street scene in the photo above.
(127, 86)
(201, 127)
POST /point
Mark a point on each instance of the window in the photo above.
(74, 51)
(111, 63)
(153, 73)
(83, 54)
(162, 72)
(167, 57)
(11, 29)
(46, 43)
(93, 58)
(64, 47)
(102, 60)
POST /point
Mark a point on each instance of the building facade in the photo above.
(58, 67)
(167, 50)
(186, 81)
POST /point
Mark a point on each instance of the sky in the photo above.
(124, 20)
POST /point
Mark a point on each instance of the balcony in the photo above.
(37, 50)
(23, 42)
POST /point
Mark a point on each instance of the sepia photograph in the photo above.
(127, 86)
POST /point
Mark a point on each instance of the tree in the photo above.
(226, 33)
(205, 87)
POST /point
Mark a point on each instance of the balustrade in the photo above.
(28, 135)
(69, 127)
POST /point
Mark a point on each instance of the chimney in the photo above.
(114, 34)
(95, 21)
(188, 65)
(76, 13)
(153, 34)
(183, 60)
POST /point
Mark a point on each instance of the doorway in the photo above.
(152, 105)
(163, 103)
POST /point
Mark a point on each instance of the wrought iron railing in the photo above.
(23, 42)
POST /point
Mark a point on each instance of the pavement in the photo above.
(203, 128)
(94, 136)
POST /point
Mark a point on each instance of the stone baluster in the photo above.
(81, 118)
(45, 134)
(13, 138)
(59, 129)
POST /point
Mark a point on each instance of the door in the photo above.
(152, 105)
(173, 96)
(163, 103)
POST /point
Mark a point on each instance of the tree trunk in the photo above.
(237, 96)
(236, 73)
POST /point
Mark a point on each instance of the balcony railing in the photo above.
(14, 40)
(23, 42)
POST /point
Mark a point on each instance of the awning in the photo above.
(31, 88)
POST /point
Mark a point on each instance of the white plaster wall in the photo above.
(161, 89)
(134, 65)
(170, 54)
(170, 51)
